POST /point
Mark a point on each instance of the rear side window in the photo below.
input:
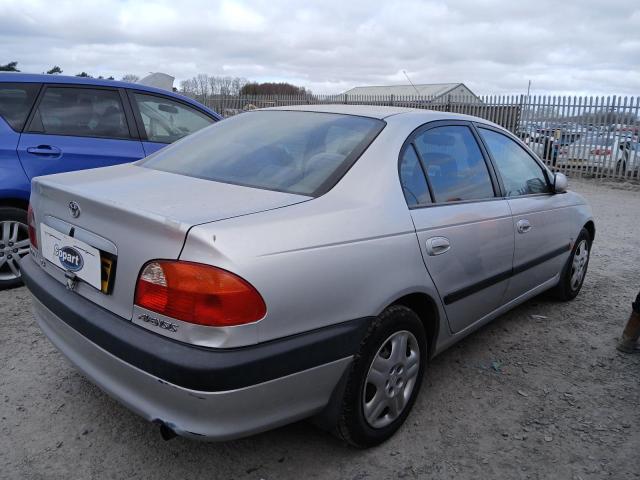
(455, 165)
(520, 173)
(16, 100)
(414, 183)
(81, 112)
(166, 121)
(288, 151)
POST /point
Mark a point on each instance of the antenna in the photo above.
(414, 87)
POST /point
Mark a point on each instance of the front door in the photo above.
(74, 128)
(542, 233)
(464, 229)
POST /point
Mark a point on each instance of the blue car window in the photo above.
(166, 121)
(287, 151)
(81, 112)
(16, 100)
(455, 165)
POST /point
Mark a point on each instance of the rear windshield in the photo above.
(288, 151)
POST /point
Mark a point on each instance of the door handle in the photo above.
(523, 226)
(438, 245)
(45, 150)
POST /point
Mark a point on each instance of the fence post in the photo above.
(519, 113)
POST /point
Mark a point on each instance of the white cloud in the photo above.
(494, 46)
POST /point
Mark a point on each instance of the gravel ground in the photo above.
(539, 393)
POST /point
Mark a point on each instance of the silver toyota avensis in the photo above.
(298, 262)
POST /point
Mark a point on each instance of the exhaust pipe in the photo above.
(166, 432)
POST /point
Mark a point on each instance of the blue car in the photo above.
(51, 124)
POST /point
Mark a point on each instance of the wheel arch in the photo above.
(426, 308)
(591, 228)
(14, 202)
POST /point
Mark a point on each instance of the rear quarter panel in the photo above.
(345, 255)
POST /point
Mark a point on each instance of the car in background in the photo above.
(51, 124)
(619, 153)
(548, 143)
(310, 261)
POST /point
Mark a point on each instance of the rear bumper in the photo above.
(267, 393)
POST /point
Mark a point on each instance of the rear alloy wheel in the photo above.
(391, 379)
(14, 244)
(385, 378)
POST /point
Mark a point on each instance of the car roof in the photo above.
(381, 112)
(19, 77)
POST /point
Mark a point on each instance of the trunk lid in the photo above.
(138, 214)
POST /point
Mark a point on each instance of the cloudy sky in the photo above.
(494, 46)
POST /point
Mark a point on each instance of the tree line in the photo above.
(56, 70)
(201, 86)
(204, 86)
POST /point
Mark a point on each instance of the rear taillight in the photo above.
(198, 293)
(31, 223)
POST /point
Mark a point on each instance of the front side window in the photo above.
(520, 173)
(16, 100)
(455, 166)
(166, 121)
(412, 179)
(288, 151)
(82, 112)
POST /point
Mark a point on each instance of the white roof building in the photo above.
(435, 91)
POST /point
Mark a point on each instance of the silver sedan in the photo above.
(296, 262)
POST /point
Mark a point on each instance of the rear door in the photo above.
(541, 220)
(163, 120)
(16, 101)
(78, 127)
(464, 228)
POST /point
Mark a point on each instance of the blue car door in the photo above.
(16, 100)
(77, 127)
(163, 120)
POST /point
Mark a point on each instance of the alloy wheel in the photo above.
(14, 244)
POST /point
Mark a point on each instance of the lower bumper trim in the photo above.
(223, 415)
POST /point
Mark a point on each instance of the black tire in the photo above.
(352, 425)
(565, 290)
(11, 214)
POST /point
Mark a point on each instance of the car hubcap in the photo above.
(391, 378)
(14, 244)
(579, 265)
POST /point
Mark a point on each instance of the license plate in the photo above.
(72, 255)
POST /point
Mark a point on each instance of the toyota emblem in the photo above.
(74, 209)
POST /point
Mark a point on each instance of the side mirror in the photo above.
(560, 182)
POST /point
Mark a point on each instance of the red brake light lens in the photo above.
(31, 223)
(197, 293)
